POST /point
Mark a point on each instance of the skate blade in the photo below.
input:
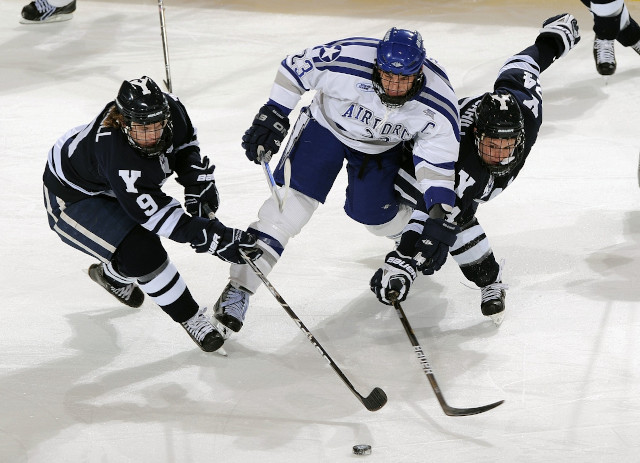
(221, 351)
(497, 318)
(52, 19)
(220, 328)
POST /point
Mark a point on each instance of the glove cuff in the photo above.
(405, 264)
(441, 230)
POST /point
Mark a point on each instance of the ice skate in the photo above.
(605, 57)
(41, 11)
(129, 294)
(493, 295)
(203, 332)
(230, 310)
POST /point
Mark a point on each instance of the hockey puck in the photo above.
(362, 449)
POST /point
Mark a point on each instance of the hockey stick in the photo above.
(287, 181)
(165, 46)
(426, 367)
(272, 183)
(375, 400)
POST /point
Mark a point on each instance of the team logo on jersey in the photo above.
(129, 177)
(328, 54)
(364, 87)
(383, 130)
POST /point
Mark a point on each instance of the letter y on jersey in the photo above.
(130, 177)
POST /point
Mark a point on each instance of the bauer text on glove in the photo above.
(393, 278)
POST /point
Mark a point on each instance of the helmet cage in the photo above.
(498, 116)
(135, 133)
(395, 101)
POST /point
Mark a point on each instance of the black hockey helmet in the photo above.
(498, 115)
(141, 101)
(401, 51)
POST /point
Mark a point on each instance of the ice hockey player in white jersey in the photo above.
(498, 130)
(371, 95)
(103, 195)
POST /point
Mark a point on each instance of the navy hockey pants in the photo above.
(95, 226)
(317, 157)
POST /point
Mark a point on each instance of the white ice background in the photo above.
(83, 379)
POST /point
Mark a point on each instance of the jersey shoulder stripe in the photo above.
(433, 67)
(521, 62)
(443, 106)
(346, 65)
(361, 41)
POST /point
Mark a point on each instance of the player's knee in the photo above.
(140, 253)
(297, 211)
(395, 226)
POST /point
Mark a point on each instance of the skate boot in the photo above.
(127, 293)
(231, 309)
(203, 332)
(605, 56)
(492, 304)
(41, 11)
(636, 47)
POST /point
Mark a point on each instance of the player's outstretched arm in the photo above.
(563, 31)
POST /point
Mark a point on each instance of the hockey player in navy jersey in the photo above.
(498, 130)
(102, 192)
(611, 22)
(371, 95)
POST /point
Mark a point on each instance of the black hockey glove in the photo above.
(396, 275)
(197, 195)
(262, 140)
(433, 246)
(563, 29)
(226, 242)
(200, 188)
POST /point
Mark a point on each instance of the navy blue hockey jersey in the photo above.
(95, 160)
(474, 183)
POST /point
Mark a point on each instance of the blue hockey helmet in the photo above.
(401, 52)
(141, 101)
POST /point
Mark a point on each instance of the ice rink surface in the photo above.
(83, 379)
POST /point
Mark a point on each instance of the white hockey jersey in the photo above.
(346, 104)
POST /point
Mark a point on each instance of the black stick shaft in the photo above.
(426, 367)
(376, 399)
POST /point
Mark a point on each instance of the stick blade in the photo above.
(375, 401)
(451, 411)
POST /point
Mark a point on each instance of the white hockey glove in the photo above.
(395, 276)
(563, 29)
